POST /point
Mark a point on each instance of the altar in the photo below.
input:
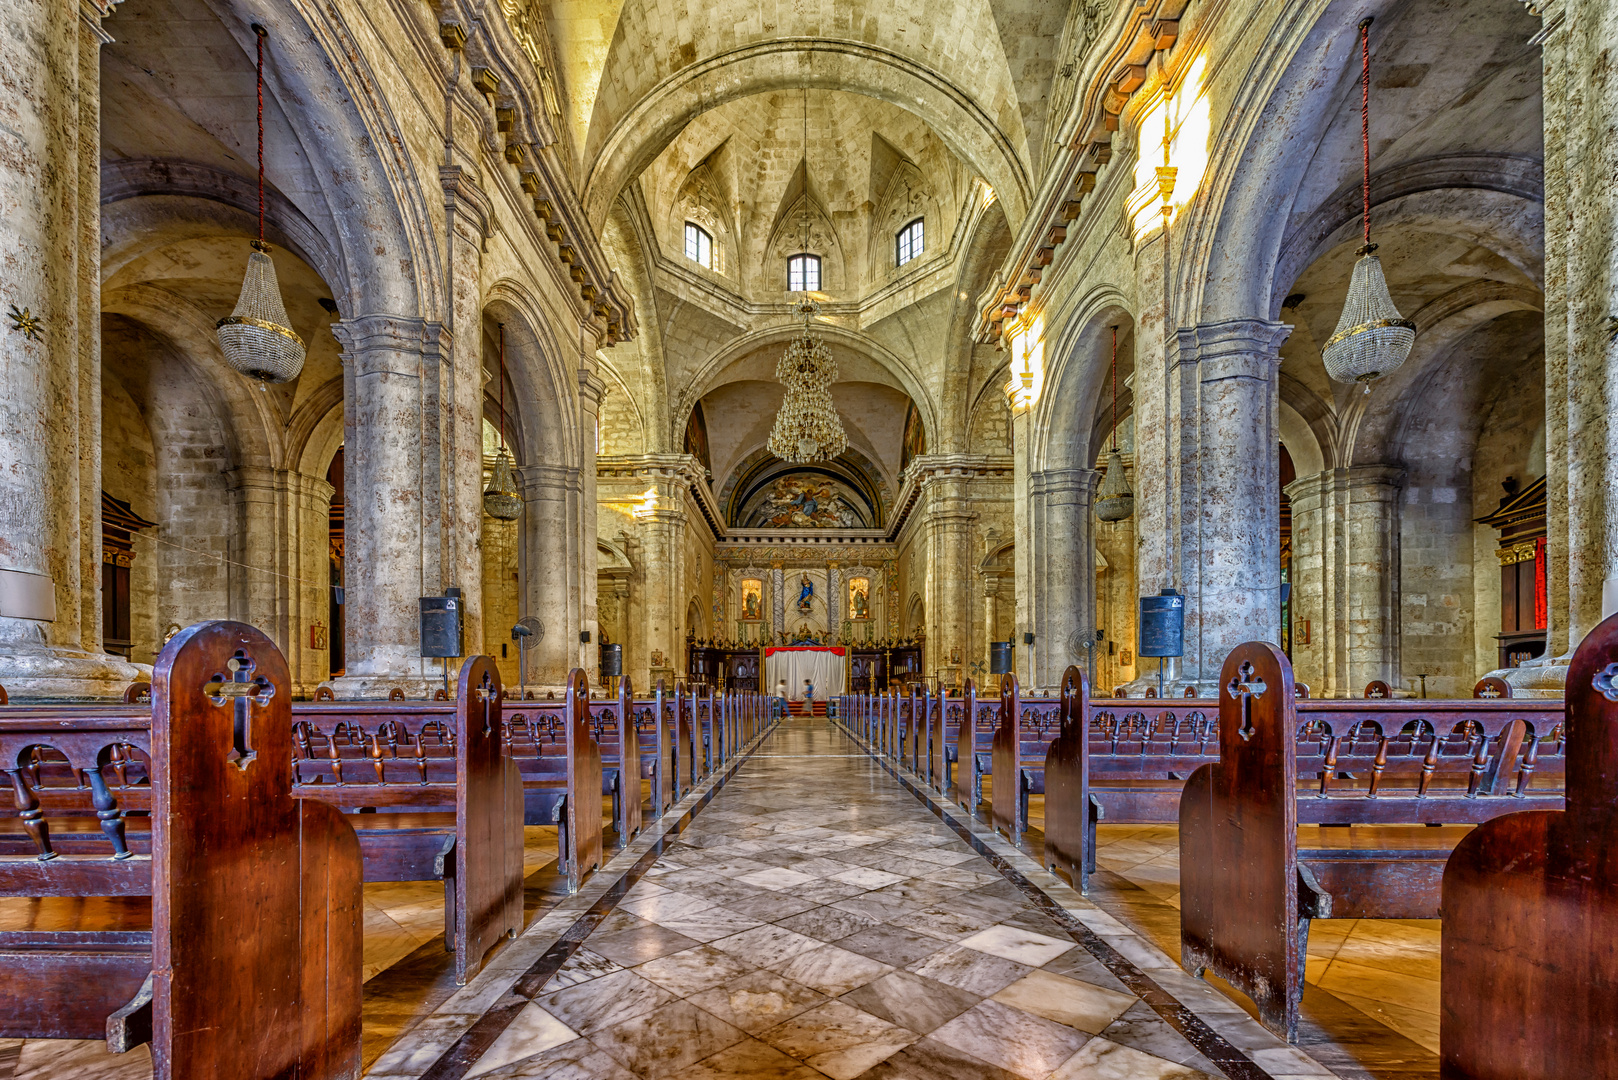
(825, 666)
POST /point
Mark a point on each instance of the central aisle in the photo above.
(816, 919)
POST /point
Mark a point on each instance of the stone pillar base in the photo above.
(377, 687)
(1537, 681)
(40, 673)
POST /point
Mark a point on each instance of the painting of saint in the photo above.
(859, 598)
(752, 600)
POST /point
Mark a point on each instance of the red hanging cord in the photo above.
(502, 386)
(1365, 125)
(1115, 389)
(262, 34)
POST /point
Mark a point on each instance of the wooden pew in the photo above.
(431, 791)
(234, 945)
(946, 736)
(1131, 767)
(1248, 890)
(555, 748)
(655, 723)
(1530, 911)
(439, 798)
(973, 747)
(619, 745)
(1022, 734)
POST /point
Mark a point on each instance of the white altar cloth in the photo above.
(824, 665)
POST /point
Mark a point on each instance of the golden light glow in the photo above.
(648, 503)
(1188, 130)
(1026, 342)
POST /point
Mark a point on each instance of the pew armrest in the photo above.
(444, 862)
(131, 1025)
(1314, 902)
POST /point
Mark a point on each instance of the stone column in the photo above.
(1066, 581)
(1229, 472)
(834, 600)
(395, 553)
(655, 485)
(991, 616)
(1024, 559)
(778, 603)
(948, 595)
(1318, 573)
(1372, 529)
(582, 537)
(1581, 356)
(551, 574)
(50, 371)
(466, 210)
(1345, 562)
(281, 581)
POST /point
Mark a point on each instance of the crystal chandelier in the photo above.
(807, 428)
(1371, 339)
(257, 338)
(500, 498)
(1114, 502)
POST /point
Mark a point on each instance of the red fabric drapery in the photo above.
(771, 650)
(1541, 603)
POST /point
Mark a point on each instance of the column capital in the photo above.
(592, 389)
(1389, 478)
(466, 200)
(1232, 349)
(537, 480)
(91, 12)
(1075, 486)
(371, 340)
(1307, 492)
(257, 477)
(1552, 17)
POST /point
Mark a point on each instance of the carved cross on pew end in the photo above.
(242, 688)
(1246, 686)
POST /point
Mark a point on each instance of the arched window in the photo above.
(698, 245)
(908, 244)
(803, 273)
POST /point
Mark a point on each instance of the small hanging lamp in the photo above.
(1372, 339)
(500, 498)
(1114, 502)
(257, 338)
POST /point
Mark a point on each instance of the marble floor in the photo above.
(1371, 1001)
(812, 912)
(814, 916)
(407, 972)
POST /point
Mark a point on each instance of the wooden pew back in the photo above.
(252, 963)
(1530, 911)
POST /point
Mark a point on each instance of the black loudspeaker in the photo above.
(1162, 624)
(441, 624)
(612, 661)
(999, 658)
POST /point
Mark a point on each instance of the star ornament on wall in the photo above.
(31, 325)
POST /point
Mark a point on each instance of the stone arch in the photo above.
(1068, 415)
(542, 407)
(353, 170)
(710, 374)
(818, 63)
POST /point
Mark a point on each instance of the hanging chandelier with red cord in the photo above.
(1372, 339)
(257, 338)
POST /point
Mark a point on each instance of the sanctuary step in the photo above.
(806, 708)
